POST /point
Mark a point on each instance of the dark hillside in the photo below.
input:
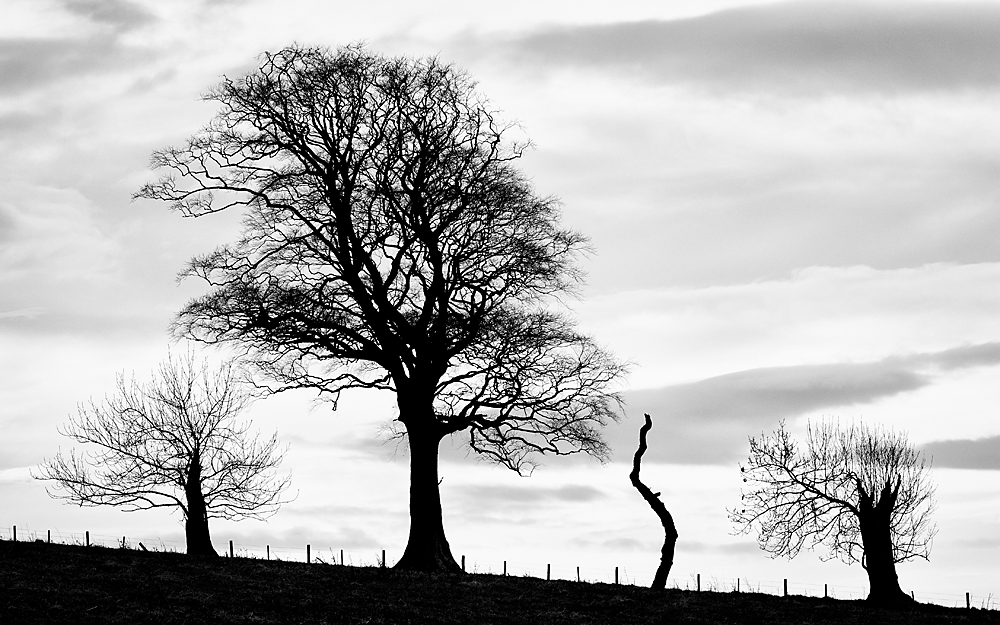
(42, 583)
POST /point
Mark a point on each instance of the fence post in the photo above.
(268, 552)
(505, 568)
(737, 584)
(699, 582)
(341, 557)
(88, 537)
(230, 549)
(577, 573)
(463, 564)
(548, 572)
(383, 558)
(968, 603)
(824, 592)
(123, 542)
(616, 576)
(786, 586)
(15, 533)
(49, 538)
(912, 596)
(309, 556)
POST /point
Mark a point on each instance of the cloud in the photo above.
(980, 453)
(23, 313)
(738, 549)
(625, 544)
(796, 46)
(505, 495)
(16, 474)
(961, 357)
(708, 422)
(121, 15)
(51, 234)
(29, 63)
(813, 315)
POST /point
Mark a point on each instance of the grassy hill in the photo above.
(43, 583)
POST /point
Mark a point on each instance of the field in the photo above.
(50, 583)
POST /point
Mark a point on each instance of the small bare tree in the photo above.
(863, 494)
(172, 442)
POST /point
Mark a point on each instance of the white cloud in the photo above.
(708, 422)
(980, 453)
(813, 47)
(15, 474)
(814, 315)
(51, 233)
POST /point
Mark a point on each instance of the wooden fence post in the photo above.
(49, 538)
(577, 573)
(341, 557)
(786, 586)
(383, 558)
(548, 572)
(737, 584)
(15, 533)
(505, 568)
(825, 595)
(268, 552)
(699, 582)
(88, 537)
(968, 602)
(463, 564)
(616, 575)
(309, 555)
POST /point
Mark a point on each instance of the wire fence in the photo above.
(548, 571)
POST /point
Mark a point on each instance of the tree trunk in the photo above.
(653, 499)
(199, 542)
(876, 536)
(427, 548)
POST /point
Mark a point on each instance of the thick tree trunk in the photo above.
(879, 563)
(876, 536)
(427, 548)
(199, 542)
(653, 499)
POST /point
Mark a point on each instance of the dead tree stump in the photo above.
(653, 499)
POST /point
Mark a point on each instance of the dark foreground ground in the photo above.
(42, 583)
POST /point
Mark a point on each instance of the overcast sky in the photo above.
(794, 206)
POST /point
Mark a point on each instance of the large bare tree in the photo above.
(173, 442)
(863, 494)
(390, 243)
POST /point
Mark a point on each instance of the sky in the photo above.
(794, 208)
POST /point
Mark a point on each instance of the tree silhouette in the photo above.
(173, 442)
(390, 243)
(862, 494)
(653, 499)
